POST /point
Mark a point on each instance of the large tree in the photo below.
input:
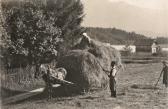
(31, 32)
(36, 28)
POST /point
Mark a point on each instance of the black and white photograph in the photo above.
(83, 54)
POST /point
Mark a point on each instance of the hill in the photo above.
(127, 16)
(114, 36)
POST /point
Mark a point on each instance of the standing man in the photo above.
(165, 73)
(112, 78)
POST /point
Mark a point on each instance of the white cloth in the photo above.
(114, 71)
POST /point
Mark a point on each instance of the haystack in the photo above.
(85, 62)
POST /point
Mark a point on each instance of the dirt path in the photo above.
(135, 91)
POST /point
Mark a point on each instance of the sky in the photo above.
(148, 17)
(151, 4)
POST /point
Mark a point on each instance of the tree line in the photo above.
(114, 35)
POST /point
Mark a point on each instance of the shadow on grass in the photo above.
(142, 86)
(58, 94)
(90, 97)
(9, 92)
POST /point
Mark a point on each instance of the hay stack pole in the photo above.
(23, 96)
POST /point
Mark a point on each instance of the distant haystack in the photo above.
(85, 62)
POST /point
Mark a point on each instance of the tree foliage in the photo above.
(32, 33)
(70, 15)
(37, 28)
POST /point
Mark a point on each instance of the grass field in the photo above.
(14, 81)
(135, 90)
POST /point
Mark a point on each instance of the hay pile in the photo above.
(84, 64)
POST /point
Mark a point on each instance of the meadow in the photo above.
(135, 89)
